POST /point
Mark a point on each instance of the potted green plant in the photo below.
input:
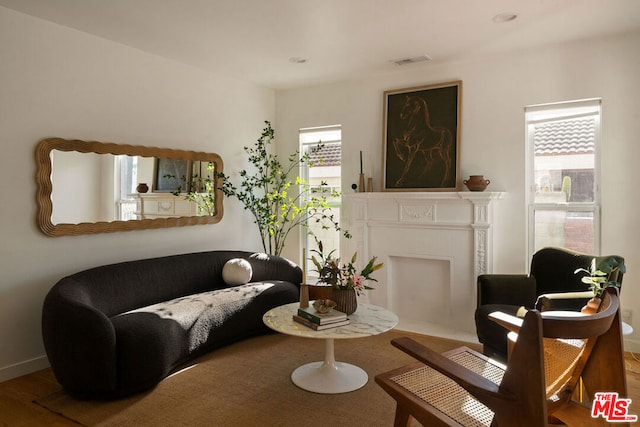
(278, 203)
(600, 276)
(347, 282)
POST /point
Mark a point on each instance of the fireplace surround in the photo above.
(433, 245)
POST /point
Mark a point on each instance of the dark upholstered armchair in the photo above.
(552, 271)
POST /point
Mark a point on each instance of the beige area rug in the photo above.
(249, 384)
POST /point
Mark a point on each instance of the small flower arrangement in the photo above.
(343, 276)
(601, 276)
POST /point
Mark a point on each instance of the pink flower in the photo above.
(344, 276)
(358, 281)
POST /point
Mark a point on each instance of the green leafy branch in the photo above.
(277, 203)
(199, 190)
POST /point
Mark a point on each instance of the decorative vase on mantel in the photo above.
(476, 183)
(592, 306)
(345, 299)
(142, 187)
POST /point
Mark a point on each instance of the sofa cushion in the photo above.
(237, 271)
(199, 314)
(152, 340)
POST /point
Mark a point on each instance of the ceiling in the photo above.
(254, 40)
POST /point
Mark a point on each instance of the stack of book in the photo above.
(320, 321)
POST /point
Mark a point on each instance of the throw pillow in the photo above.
(237, 271)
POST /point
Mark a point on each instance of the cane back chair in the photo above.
(537, 386)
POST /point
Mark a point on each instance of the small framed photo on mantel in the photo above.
(421, 138)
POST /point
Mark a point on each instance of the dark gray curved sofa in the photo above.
(121, 328)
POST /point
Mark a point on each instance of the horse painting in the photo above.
(423, 148)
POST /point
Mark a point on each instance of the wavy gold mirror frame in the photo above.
(45, 187)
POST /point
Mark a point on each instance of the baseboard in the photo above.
(23, 368)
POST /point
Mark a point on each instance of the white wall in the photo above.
(495, 92)
(55, 81)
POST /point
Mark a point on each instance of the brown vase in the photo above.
(142, 188)
(476, 183)
(346, 300)
(592, 306)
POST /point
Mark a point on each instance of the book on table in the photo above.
(311, 314)
(308, 323)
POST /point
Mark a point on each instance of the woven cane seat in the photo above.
(560, 359)
(446, 395)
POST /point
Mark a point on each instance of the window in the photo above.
(563, 175)
(125, 205)
(325, 168)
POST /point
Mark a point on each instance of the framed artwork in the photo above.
(170, 174)
(421, 138)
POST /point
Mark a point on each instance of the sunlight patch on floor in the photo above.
(436, 330)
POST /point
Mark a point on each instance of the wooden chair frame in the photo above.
(522, 397)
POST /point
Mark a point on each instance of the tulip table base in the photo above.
(329, 376)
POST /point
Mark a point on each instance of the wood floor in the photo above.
(17, 395)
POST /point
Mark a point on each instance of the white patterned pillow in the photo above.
(237, 271)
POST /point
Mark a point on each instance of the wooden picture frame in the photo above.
(421, 138)
(169, 174)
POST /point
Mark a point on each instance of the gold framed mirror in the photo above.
(87, 187)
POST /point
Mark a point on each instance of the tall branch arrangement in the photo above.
(279, 204)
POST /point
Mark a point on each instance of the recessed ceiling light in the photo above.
(504, 17)
(297, 60)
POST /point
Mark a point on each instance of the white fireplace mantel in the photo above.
(433, 244)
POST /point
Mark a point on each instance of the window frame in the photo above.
(304, 174)
(551, 112)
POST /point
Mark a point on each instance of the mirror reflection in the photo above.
(89, 187)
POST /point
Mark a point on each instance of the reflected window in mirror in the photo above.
(127, 167)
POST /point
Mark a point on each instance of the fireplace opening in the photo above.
(421, 288)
